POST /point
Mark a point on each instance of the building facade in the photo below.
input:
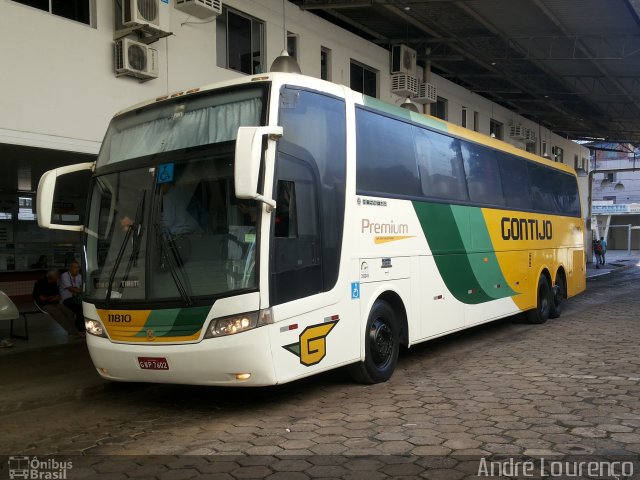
(616, 195)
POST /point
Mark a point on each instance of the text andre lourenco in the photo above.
(568, 468)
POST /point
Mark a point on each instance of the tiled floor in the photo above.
(43, 332)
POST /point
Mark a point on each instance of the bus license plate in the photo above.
(153, 363)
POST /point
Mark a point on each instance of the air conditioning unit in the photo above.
(403, 60)
(427, 93)
(200, 8)
(517, 132)
(135, 59)
(404, 85)
(150, 16)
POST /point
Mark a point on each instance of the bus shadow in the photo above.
(467, 337)
(236, 400)
(220, 399)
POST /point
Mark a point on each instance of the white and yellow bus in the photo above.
(262, 230)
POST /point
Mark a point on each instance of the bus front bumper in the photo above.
(213, 361)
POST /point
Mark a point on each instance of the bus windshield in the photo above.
(203, 120)
(168, 227)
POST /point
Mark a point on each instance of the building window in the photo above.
(575, 162)
(325, 64)
(464, 117)
(495, 129)
(292, 45)
(25, 209)
(476, 122)
(364, 79)
(558, 154)
(78, 10)
(240, 42)
(439, 109)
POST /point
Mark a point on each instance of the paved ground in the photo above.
(571, 386)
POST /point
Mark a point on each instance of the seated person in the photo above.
(47, 296)
(70, 287)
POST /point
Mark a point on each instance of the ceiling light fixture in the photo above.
(285, 63)
(409, 105)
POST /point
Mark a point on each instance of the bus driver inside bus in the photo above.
(179, 211)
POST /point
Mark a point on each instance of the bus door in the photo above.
(296, 257)
(316, 328)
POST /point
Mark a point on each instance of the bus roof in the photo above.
(289, 78)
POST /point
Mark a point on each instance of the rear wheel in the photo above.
(382, 344)
(559, 294)
(540, 314)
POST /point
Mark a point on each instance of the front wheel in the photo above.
(559, 294)
(540, 314)
(382, 344)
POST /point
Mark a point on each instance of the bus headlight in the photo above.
(94, 327)
(232, 324)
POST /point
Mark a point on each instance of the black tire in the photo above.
(382, 344)
(559, 293)
(540, 314)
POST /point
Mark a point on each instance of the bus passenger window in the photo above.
(385, 156)
(286, 225)
(483, 176)
(514, 176)
(440, 163)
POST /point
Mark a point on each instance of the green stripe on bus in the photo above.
(189, 321)
(460, 242)
(444, 237)
(175, 322)
(385, 107)
(479, 247)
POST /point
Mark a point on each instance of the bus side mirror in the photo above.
(50, 193)
(247, 161)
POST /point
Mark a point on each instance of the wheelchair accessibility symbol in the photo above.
(355, 290)
(165, 173)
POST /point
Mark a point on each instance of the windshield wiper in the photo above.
(135, 227)
(174, 261)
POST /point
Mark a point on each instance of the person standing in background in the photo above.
(70, 286)
(603, 243)
(597, 249)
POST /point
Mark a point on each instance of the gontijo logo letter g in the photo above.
(312, 347)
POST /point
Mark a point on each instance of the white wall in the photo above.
(630, 180)
(58, 79)
(60, 73)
